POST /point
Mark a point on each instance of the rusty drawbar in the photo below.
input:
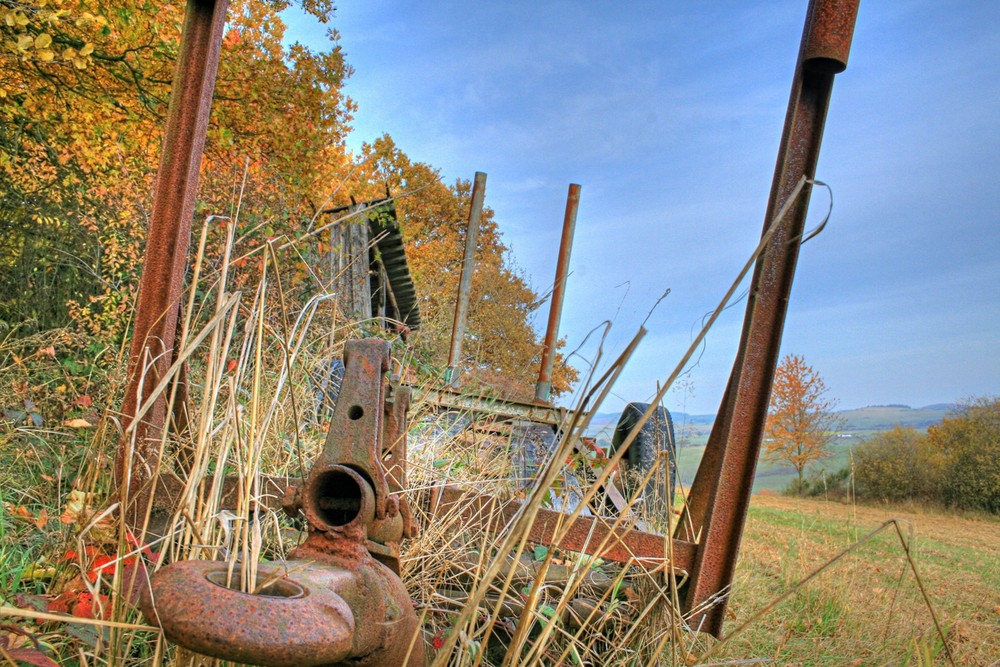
(338, 599)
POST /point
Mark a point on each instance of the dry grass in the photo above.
(503, 601)
(867, 608)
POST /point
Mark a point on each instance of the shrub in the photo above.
(895, 465)
(969, 445)
(833, 485)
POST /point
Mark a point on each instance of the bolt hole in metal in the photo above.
(355, 412)
(338, 498)
(280, 588)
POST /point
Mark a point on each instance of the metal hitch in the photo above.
(338, 599)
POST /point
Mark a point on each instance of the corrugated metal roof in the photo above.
(384, 228)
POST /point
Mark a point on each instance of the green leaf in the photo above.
(541, 552)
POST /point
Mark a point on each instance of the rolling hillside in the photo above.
(692, 431)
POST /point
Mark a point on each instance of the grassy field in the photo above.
(867, 608)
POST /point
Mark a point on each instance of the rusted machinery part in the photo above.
(330, 602)
(195, 609)
(355, 435)
(344, 610)
(333, 602)
(720, 495)
(589, 535)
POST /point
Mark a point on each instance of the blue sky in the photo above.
(669, 115)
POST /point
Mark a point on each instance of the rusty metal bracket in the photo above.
(588, 535)
(338, 598)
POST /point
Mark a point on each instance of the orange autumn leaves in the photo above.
(81, 578)
(800, 421)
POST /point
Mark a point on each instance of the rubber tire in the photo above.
(656, 435)
(531, 446)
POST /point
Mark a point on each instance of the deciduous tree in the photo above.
(969, 443)
(800, 421)
(501, 349)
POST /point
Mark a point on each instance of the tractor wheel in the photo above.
(644, 454)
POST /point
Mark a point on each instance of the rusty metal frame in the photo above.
(543, 387)
(167, 242)
(492, 406)
(710, 531)
(707, 545)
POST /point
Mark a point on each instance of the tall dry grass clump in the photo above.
(255, 371)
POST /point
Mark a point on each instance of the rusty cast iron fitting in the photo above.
(338, 599)
(331, 603)
(337, 500)
(355, 435)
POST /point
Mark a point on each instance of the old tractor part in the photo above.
(338, 599)
(646, 452)
(703, 554)
(543, 387)
(452, 371)
(167, 243)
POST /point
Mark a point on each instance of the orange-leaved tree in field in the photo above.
(800, 420)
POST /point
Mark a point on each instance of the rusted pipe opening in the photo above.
(340, 496)
(824, 65)
(280, 588)
(826, 42)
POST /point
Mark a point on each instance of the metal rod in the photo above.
(167, 243)
(720, 495)
(465, 282)
(543, 388)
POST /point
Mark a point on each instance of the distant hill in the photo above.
(884, 417)
(859, 425)
(858, 422)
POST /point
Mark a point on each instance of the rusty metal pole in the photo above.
(167, 243)
(543, 388)
(465, 282)
(720, 494)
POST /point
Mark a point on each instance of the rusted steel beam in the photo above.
(167, 242)
(465, 282)
(720, 494)
(585, 535)
(543, 387)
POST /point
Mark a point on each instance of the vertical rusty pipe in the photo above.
(720, 494)
(543, 388)
(167, 243)
(465, 282)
